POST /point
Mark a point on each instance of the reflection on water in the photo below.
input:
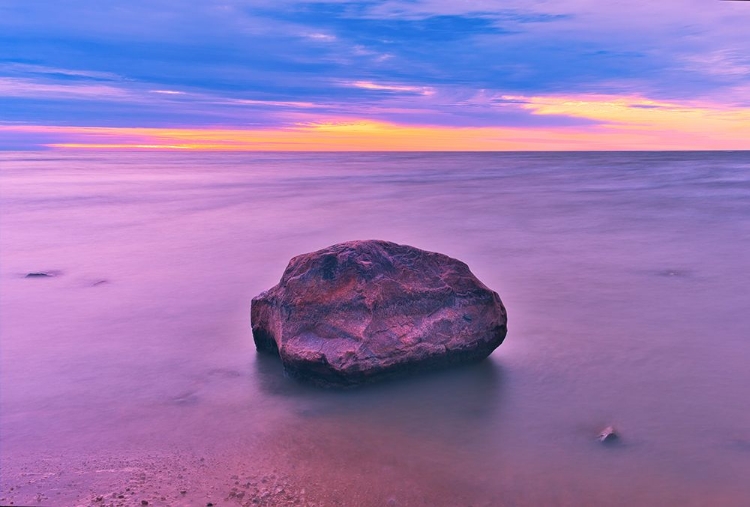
(449, 399)
(625, 276)
(409, 441)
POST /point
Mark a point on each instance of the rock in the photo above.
(39, 274)
(607, 435)
(365, 310)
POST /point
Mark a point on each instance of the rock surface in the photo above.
(608, 435)
(364, 310)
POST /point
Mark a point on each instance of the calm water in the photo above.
(625, 276)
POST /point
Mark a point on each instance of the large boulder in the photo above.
(364, 310)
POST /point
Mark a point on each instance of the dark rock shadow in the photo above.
(269, 373)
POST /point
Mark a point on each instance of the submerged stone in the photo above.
(364, 310)
(39, 274)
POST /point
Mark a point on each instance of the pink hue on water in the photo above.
(625, 277)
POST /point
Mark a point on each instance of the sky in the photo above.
(374, 74)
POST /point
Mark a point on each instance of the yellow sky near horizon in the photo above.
(618, 123)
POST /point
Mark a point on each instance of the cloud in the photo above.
(723, 62)
(20, 87)
(323, 37)
(369, 85)
(275, 64)
(617, 123)
(26, 69)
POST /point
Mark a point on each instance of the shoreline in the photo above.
(271, 476)
(146, 480)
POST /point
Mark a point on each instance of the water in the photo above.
(625, 276)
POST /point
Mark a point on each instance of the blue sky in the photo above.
(276, 64)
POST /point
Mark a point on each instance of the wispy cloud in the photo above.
(274, 103)
(168, 92)
(622, 123)
(20, 87)
(26, 69)
(723, 62)
(323, 37)
(369, 85)
(633, 110)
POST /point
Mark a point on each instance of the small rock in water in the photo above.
(673, 272)
(39, 274)
(608, 434)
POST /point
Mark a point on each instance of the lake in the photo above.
(130, 375)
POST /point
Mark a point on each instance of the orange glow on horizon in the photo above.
(114, 146)
(637, 112)
(620, 123)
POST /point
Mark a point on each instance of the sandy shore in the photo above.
(146, 480)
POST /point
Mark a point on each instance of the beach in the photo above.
(131, 370)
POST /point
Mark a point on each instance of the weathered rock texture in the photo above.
(363, 310)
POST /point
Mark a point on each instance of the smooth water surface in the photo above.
(625, 276)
